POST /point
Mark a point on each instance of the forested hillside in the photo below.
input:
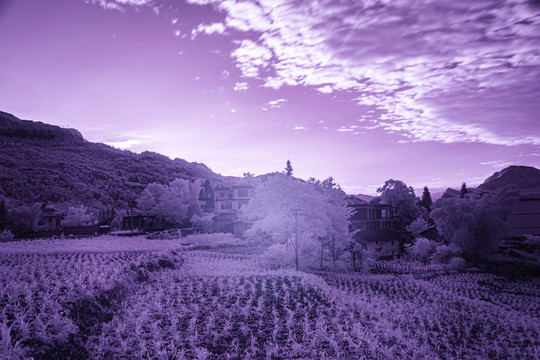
(41, 162)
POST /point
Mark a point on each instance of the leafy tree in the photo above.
(418, 226)
(463, 191)
(3, 210)
(25, 217)
(288, 169)
(339, 212)
(77, 216)
(426, 201)
(177, 203)
(422, 249)
(474, 224)
(401, 197)
(292, 212)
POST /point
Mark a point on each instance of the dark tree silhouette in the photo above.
(288, 169)
(426, 201)
(464, 191)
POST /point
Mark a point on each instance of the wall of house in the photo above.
(384, 249)
(525, 218)
(231, 199)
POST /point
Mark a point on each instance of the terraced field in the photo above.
(193, 299)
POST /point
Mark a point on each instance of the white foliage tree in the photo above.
(177, 202)
(293, 213)
(77, 216)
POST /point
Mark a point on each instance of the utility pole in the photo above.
(296, 237)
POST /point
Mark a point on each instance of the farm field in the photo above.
(210, 298)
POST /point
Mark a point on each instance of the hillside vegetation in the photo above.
(41, 162)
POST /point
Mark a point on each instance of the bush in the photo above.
(457, 263)
(422, 249)
(533, 243)
(444, 253)
(278, 256)
(6, 236)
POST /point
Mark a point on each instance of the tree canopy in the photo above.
(176, 203)
(476, 224)
(296, 213)
(402, 198)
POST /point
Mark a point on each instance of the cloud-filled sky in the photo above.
(432, 92)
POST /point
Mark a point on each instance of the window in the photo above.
(226, 205)
(243, 193)
(222, 195)
(230, 196)
(392, 242)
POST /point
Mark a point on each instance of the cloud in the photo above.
(251, 58)
(214, 28)
(241, 86)
(124, 144)
(121, 5)
(460, 71)
(497, 164)
(276, 104)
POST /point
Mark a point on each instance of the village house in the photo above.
(231, 199)
(46, 221)
(228, 202)
(372, 217)
(525, 217)
(376, 229)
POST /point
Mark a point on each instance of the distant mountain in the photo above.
(41, 162)
(364, 197)
(524, 178)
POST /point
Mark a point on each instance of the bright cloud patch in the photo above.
(215, 28)
(460, 71)
(276, 104)
(124, 144)
(241, 86)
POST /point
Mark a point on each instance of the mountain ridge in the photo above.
(42, 162)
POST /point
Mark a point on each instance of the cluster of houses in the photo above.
(374, 226)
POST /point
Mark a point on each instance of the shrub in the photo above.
(422, 249)
(278, 256)
(444, 253)
(457, 263)
(6, 236)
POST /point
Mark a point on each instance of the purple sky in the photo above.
(432, 92)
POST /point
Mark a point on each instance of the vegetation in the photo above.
(41, 162)
(306, 217)
(475, 224)
(124, 302)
